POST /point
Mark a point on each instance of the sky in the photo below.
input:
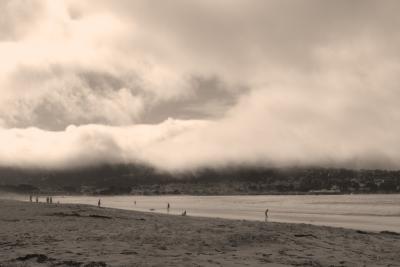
(181, 85)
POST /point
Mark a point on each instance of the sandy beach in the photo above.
(78, 235)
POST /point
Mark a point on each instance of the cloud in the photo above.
(79, 146)
(251, 82)
(17, 17)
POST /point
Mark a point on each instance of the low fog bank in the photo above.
(177, 146)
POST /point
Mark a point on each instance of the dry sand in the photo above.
(77, 235)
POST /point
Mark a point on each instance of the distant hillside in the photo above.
(140, 179)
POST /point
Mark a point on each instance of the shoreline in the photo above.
(273, 193)
(371, 222)
(79, 235)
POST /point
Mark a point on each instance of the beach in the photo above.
(81, 235)
(367, 212)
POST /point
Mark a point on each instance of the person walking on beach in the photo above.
(168, 206)
(99, 203)
(266, 215)
(184, 213)
(51, 200)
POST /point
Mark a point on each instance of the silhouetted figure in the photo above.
(168, 206)
(30, 198)
(134, 202)
(51, 200)
(184, 213)
(266, 215)
(47, 200)
(37, 199)
(99, 203)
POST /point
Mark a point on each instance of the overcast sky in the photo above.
(184, 84)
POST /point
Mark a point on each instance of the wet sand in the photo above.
(78, 235)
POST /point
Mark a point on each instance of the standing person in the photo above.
(99, 203)
(30, 198)
(37, 199)
(51, 200)
(168, 206)
(184, 213)
(135, 202)
(266, 215)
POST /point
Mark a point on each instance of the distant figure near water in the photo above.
(134, 202)
(51, 200)
(37, 199)
(99, 203)
(184, 213)
(168, 206)
(266, 215)
(30, 198)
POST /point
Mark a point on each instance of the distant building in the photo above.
(378, 182)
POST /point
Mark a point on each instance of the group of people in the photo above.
(49, 200)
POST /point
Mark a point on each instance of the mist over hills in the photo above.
(143, 179)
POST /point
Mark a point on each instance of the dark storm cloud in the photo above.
(209, 99)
